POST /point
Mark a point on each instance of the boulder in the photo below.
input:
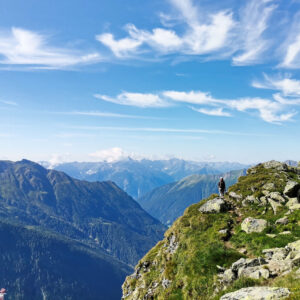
(270, 186)
(275, 165)
(293, 204)
(295, 246)
(274, 204)
(282, 221)
(246, 263)
(277, 197)
(258, 293)
(228, 276)
(277, 267)
(291, 188)
(254, 272)
(235, 196)
(275, 253)
(250, 225)
(216, 205)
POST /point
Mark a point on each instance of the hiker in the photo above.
(222, 187)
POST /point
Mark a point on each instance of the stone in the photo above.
(282, 221)
(277, 197)
(254, 272)
(295, 246)
(251, 199)
(228, 276)
(263, 200)
(172, 245)
(250, 225)
(271, 235)
(235, 196)
(285, 232)
(275, 205)
(258, 293)
(166, 283)
(246, 263)
(293, 204)
(275, 165)
(291, 188)
(277, 267)
(275, 253)
(270, 186)
(216, 205)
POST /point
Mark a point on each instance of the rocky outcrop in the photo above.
(277, 261)
(273, 164)
(216, 205)
(250, 225)
(258, 293)
(291, 189)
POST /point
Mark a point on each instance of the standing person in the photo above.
(222, 187)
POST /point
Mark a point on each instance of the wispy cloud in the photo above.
(254, 22)
(210, 34)
(200, 37)
(135, 99)
(11, 103)
(286, 85)
(219, 112)
(104, 115)
(165, 130)
(273, 110)
(28, 48)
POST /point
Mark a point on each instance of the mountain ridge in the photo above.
(243, 246)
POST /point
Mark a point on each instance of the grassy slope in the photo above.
(192, 269)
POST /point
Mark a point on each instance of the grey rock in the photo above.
(254, 272)
(172, 244)
(228, 276)
(277, 267)
(270, 186)
(275, 165)
(216, 205)
(293, 204)
(166, 283)
(235, 196)
(282, 221)
(251, 199)
(250, 225)
(291, 188)
(258, 293)
(275, 253)
(249, 262)
(275, 205)
(277, 197)
(285, 232)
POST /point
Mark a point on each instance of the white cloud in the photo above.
(190, 97)
(269, 111)
(109, 155)
(287, 86)
(24, 47)
(199, 37)
(254, 22)
(135, 99)
(219, 112)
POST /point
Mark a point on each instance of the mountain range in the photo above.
(63, 227)
(168, 202)
(137, 177)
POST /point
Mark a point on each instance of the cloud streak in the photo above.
(21, 47)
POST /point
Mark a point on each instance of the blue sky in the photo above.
(200, 80)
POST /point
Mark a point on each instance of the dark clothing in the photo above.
(222, 185)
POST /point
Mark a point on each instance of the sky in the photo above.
(202, 80)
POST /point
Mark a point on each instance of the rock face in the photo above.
(216, 205)
(291, 189)
(273, 164)
(258, 293)
(250, 225)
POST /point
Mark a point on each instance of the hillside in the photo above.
(245, 246)
(168, 202)
(98, 214)
(38, 265)
(137, 177)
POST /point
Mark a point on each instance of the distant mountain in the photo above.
(38, 265)
(137, 177)
(168, 202)
(98, 214)
(291, 163)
